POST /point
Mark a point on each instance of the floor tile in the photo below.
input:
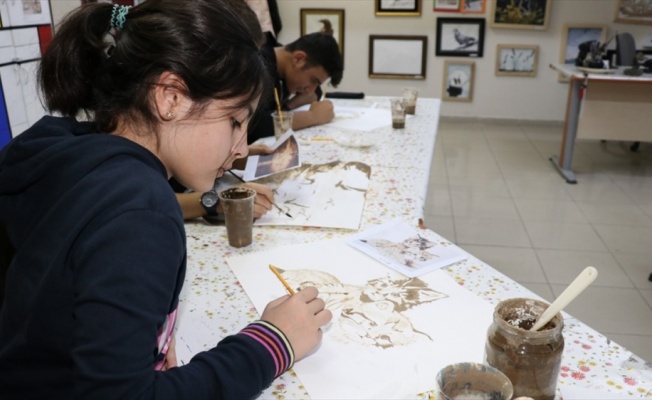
(469, 206)
(549, 210)
(610, 310)
(564, 236)
(638, 268)
(543, 290)
(614, 213)
(552, 188)
(626, 239)
(562, 267)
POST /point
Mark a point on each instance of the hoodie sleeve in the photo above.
(128, 274)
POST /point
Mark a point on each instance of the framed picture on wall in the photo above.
(447, 5)
(531, 14)
(458, 80)
(397, 57)
(398, 8)
(329, 20)
(575, 34)
(460, 37)
(634, 11)
(473, 6)
(517, 60)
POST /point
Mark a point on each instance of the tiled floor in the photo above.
(494, 192)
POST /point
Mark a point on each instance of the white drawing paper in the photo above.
(409, 250)
(286, 155)
(390, 334)
(357, 118)
(330, 195)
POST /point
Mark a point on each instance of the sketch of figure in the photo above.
(372, 314)
(327, 195)
(411, 252)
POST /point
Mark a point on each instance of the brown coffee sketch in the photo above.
(411, 252)
(312, 191)
(371, 314)
(285, 156)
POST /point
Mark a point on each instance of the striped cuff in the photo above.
(272, 339)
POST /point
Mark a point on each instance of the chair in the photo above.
(625, 49)
(625, 55)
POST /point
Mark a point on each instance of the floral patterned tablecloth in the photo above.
(213, 305)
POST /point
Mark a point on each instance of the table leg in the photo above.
(564, 162)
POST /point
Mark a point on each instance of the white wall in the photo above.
(539, 98)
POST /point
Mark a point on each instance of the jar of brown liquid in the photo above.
(531, 360)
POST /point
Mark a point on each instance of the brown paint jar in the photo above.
(531, 360)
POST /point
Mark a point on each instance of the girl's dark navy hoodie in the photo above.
(99, 262)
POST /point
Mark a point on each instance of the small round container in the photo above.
(472, 381)
(531, 360)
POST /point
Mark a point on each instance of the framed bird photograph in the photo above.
(458, 80)
(460, 37)
(517, 60)
(328, 20)
(398, 8)
(397, 56)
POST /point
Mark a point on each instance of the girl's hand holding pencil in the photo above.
(300, 316)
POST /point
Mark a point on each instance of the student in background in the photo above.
(298, 70)
(100, 255)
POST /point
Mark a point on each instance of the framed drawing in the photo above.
(329, 20)
(634, 11)
(573, 36)
(458, 80)
(397, 57)
(398, 8)
(473, 6)
(531, 14)
(447, 5)
(460, 37)
(517, 60)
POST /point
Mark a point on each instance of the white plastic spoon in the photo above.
(576, 287)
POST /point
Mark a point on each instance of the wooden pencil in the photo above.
(280, 278)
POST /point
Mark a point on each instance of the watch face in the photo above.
(209, 199)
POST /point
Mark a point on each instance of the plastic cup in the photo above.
(282, 125)
(238, 206)
(410, 95)
(398, 112)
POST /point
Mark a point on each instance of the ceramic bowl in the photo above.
(473, 381)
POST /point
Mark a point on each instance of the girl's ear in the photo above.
(169, 96)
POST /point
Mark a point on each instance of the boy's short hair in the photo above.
(322, 50)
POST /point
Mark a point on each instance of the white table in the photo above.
(213, 305)
(603, 106)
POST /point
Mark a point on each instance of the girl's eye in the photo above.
(235, 123)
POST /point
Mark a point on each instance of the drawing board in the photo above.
(390, 334)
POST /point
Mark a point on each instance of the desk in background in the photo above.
(213, 305)
(603, 106)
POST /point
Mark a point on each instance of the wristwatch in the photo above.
(209, 201)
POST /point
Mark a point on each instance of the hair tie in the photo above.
(119, 16)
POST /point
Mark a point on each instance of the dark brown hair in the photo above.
(103, 72)
(322, 50)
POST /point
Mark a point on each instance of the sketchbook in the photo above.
(330, 195)
(409, 250)
(285, 155)
(389, 335)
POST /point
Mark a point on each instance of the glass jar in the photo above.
(531, 360)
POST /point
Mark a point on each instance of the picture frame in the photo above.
(572, 36)
(473, 6)
(460, 37)
(398, 8)
(397, 56)
(537, 15)
(324, 19)
(447, 5)
(634, 12)
(458, 80)
(517, 60)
